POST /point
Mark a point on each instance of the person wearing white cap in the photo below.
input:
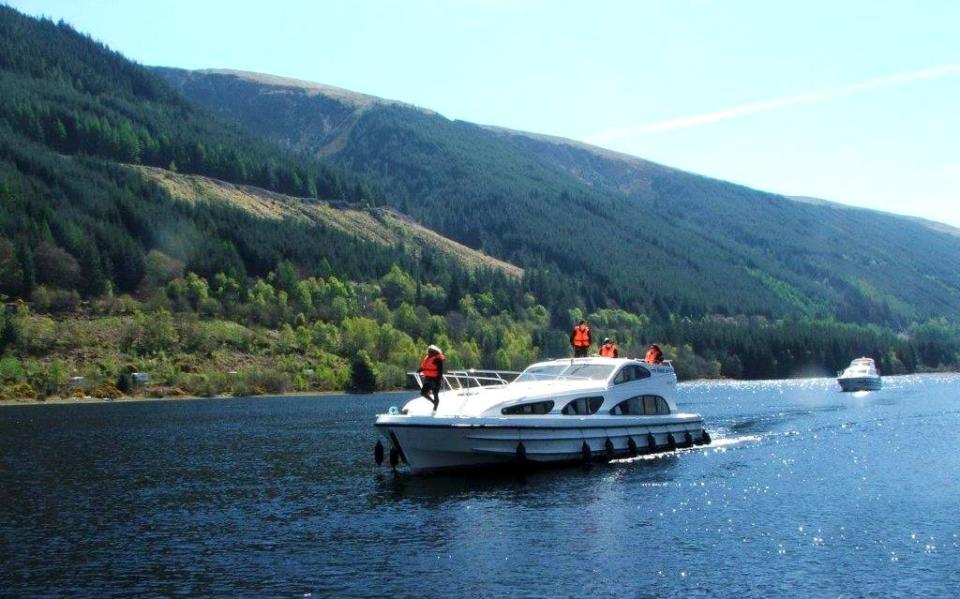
(431, 369)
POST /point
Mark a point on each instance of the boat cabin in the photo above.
(578, 387)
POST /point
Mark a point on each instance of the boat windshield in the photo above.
(552, 372)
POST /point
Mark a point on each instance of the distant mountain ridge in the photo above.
(340, 108)
(358, 99)
(932, 224)
(627, 231)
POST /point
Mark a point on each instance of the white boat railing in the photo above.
(471, 378)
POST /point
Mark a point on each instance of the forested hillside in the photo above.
(92, 246)
(70, 109)
(637, 234)
(854, 264)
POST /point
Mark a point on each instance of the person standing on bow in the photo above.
(431, 371)
(609, 349)
(580, 339)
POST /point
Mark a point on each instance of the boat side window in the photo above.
(662, 406)
(649, 405)
(583, 406)
(628, 407)
(641, 405)
(631, 372)
(537, 407)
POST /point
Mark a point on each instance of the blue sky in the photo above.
(857, 102)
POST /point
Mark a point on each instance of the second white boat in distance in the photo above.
(558, 411)
(860, 375)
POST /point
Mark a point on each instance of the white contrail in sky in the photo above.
(764, 105)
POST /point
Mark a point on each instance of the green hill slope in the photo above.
(141, 233)
(73, 113)
(641, 235)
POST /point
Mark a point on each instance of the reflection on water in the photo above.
(805, 490)
(479, 483)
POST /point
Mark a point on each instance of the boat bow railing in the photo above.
(472, 378)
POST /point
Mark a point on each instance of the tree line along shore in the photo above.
(194, 336)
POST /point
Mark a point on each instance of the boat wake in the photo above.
(719, 445)
(725, 442)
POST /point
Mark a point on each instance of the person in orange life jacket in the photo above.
(654, 355)
(609, 349)
(431, 369)
(580, 339)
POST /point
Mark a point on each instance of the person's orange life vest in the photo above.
(430, 365)
(581, 336)
(609, 350)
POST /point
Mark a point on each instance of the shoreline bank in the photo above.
(321, 394)
(102, 400)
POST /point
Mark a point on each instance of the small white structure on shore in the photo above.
(140, 378)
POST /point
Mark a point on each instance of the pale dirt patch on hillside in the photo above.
(356, 99)
(382, 226)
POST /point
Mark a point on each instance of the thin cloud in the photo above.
(765, 105)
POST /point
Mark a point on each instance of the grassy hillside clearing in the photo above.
(378, 225)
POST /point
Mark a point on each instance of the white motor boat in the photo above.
(861, 375)
(564, 410)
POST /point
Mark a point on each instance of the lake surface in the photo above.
(805, 491)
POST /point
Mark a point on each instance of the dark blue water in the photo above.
(806, 491)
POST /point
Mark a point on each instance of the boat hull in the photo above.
(866, 383)
(455, 443)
